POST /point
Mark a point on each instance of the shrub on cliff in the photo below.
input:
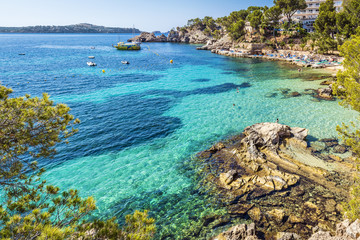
(29, 208)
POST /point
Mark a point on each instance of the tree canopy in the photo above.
(255, 19)
(347, 88)
(325, 23)
(29, 129)
(289, 7)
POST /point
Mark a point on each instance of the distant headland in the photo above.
(76, 28)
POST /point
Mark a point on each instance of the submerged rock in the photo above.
(340, 149)
(344, 231)
(295, 94)
(327, 82)
(270, 95)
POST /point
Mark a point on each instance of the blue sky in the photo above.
(147, 15)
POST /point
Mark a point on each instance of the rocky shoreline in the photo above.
(271, 176)
(227, 47)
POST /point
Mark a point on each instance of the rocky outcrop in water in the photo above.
(224, 42)
(325, 93)
(193, 36)
(270, 175)
(148, 37)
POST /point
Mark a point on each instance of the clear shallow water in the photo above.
(141, 122)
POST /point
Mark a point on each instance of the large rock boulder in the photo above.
(239, 232)
(144, 37)
(325, 93)
(269, 175)
(270, 136)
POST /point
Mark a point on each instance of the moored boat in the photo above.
(91, 64)
(125, 62)
(128, 46)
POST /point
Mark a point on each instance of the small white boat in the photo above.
(91, 57)
(91, 64)
(125, 62)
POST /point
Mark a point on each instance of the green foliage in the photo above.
(289, 7)
(30, 209)
(234, 17)
(183, 29)
(302, 46)
(326, 44)
(352, 208)
(347, 88)
(195, 23)
(29, 129)
(41, 211)
(255, 19)
(273, 15)
(325, 23)
(252, 9)
(348, 20)
(207, 24)
(216, 34)
(138, 226)
(343, 24)
(325, 26)
(300, 31)
(207, 32)
(347, 85)
(236, 30)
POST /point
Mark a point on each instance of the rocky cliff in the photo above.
(193, 36)
(272, 176)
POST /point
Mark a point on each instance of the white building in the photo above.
(308, 15)
(248, 27)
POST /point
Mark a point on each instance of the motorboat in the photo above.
(128, 46)
(91, 57)
(125, 62)
(91, 64)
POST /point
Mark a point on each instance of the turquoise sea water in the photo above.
(141, 122)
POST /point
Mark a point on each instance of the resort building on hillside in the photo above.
(248, 27)
(308, 15)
